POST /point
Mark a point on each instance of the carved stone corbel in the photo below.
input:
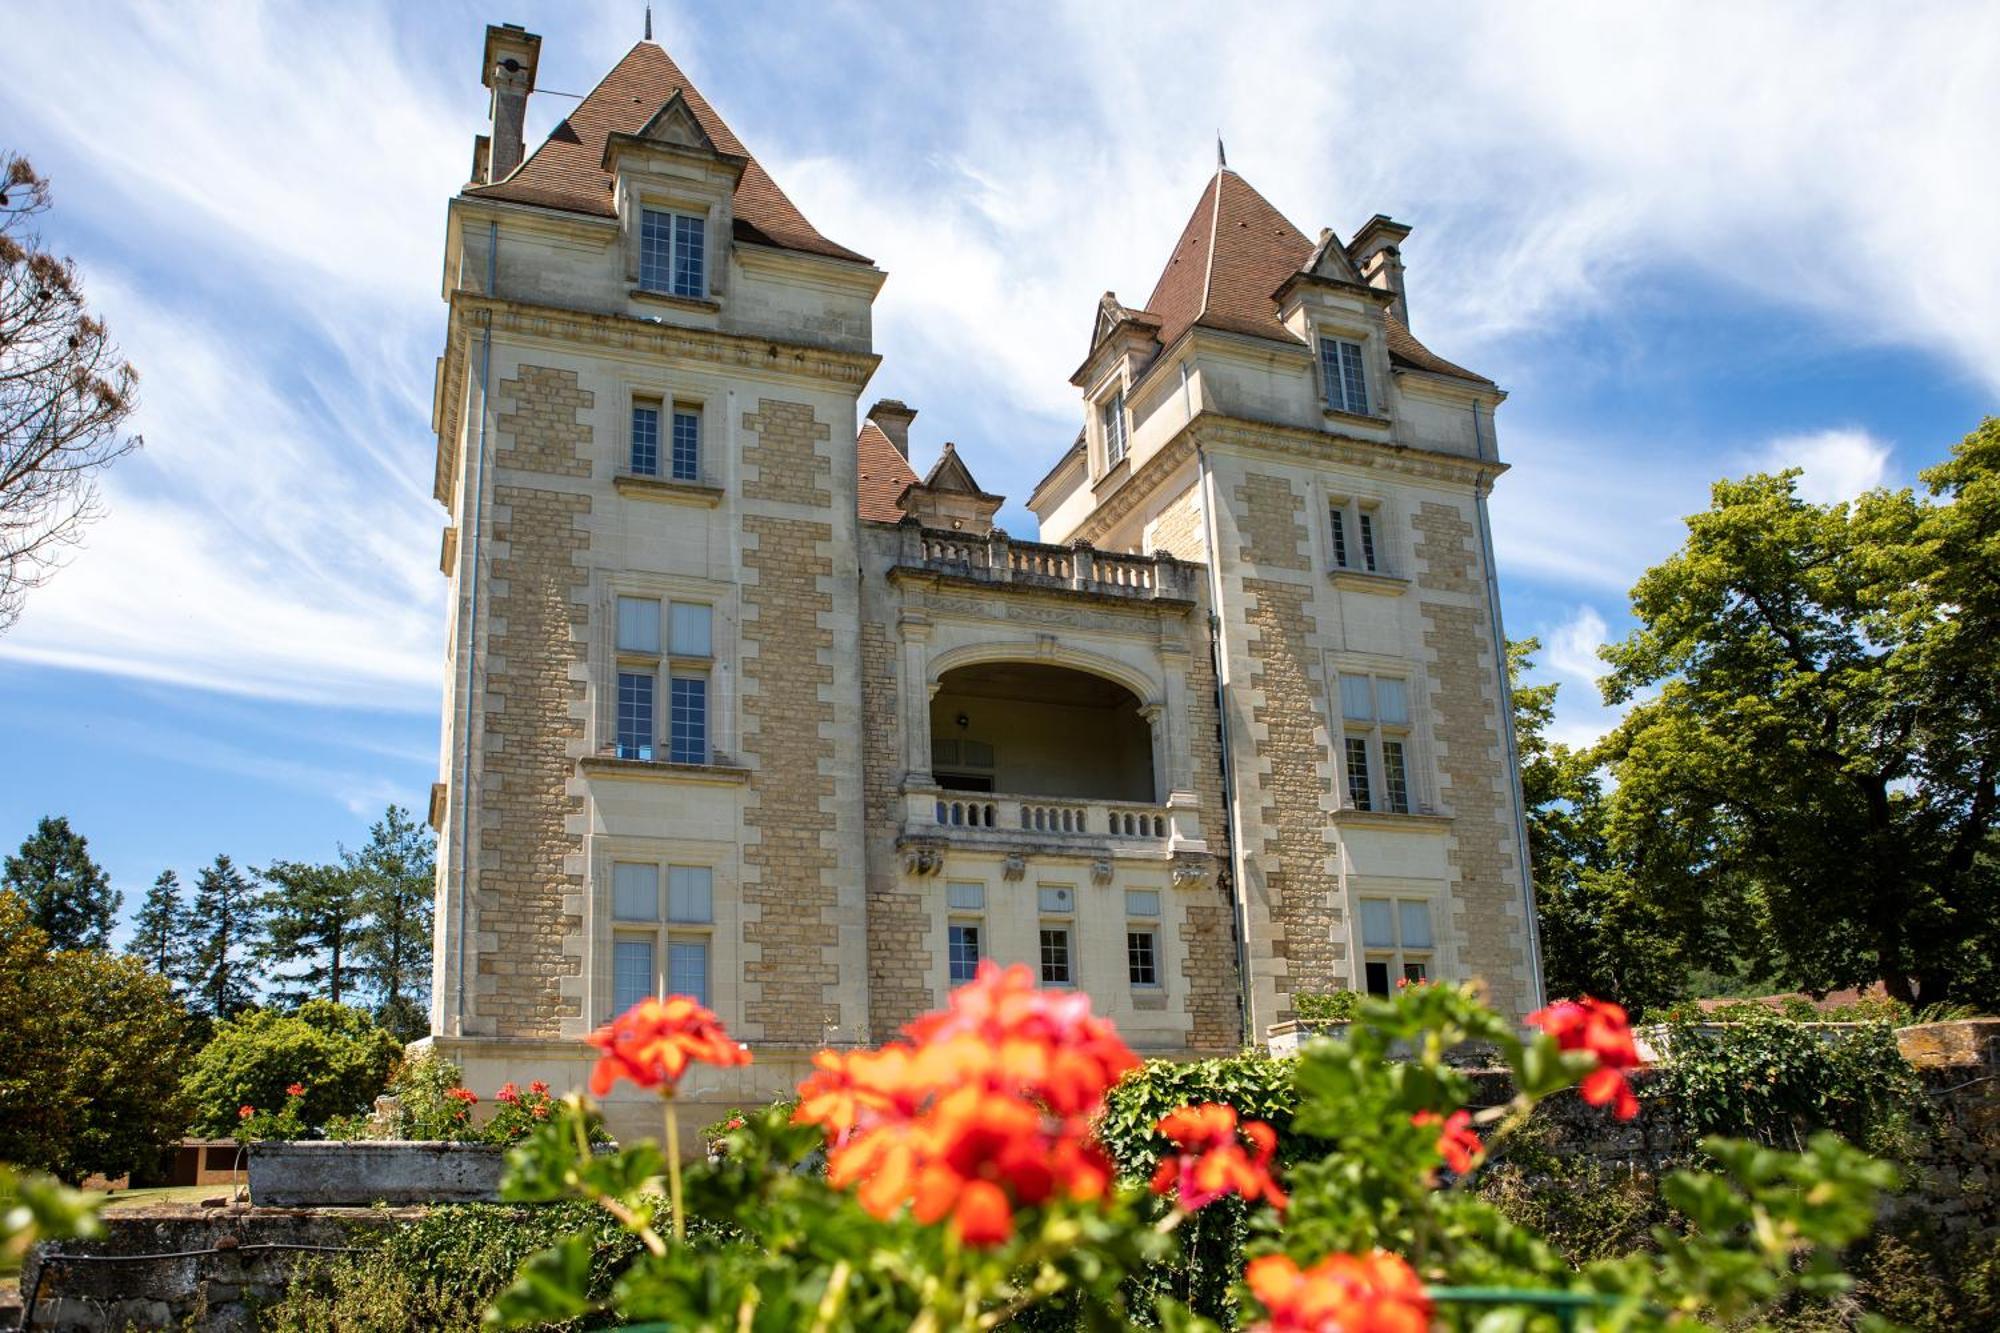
(1100, 870)
(1014, 867)
(1194, 871)
(922, 858)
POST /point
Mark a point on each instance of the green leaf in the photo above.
(553, 1287)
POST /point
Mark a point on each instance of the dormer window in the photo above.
(673, 253)
(1341, 372)
(1112, 415)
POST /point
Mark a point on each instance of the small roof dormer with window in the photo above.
(704, 236)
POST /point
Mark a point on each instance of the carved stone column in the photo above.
(914, 692)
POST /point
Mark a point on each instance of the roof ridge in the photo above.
(1214, 225)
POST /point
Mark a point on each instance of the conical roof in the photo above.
(1225, 270)
(567, 171)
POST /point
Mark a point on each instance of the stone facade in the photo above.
(741, 704)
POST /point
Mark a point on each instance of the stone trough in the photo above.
(359, 1172)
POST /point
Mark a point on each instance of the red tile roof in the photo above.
(567, 171)
(883, 474)
(1235, 252)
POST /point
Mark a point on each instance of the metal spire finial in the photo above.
(1221, 160)
(649, 23)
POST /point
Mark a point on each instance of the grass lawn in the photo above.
(145, 1198)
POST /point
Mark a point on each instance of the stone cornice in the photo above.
(747, 353)
(1212, 430)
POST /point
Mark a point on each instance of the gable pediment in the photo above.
(674, 126)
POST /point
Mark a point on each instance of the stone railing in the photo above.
(1046, 819)
(998, 558)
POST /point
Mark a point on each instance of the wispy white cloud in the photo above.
(1838, 464)
(281, 169)
(1569, 658)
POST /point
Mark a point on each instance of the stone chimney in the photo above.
(893, 417)
(1376, 255)
(511, 55)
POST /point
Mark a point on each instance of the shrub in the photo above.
(967, 1185)
(337, 1053)
(441, 1271)
(1334, 1007)
(1765, 1076)
(432, 1102)
(94, 1046)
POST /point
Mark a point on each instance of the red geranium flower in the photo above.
(540, 1110)
(1212, 1161)
(652, 1044)
(1342, 1293)
(245, 1112)
(296, 1090)
(539, 1088)
(1598, 1028)
(466, 1095)
(508, 1093)
(1458, 1143)
(985, 1108)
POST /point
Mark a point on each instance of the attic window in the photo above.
(1113, 415)
(672, 253)
(1341, 372)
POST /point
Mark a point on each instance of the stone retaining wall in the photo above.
(180, 1266)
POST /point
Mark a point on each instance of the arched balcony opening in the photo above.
(1029, 728)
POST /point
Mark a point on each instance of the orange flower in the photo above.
(296, 1090)
(1342, 1293)
(466, 1095)
(985, 1108)
(1458, 1143)
(539, 1088)
(508, 1093)
(245, 1112)
(1598, 1028)
(1212, 1162)
(652, 1044)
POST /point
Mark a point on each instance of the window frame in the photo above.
(683, 410)
(1343, 375)
(1372, 738)
(666, 666)
(1062, 934)
(1397, 959)
(663, 258)
(1355, 531)
(665, 928)
(644, 405)
(1150, 933)
(1111, 412)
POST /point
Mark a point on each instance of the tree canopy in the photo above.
(94, 1050)
(1808, 766)
(225, 924)
(69, 896)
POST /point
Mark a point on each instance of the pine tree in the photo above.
(312, 914)
(225, 929)
(159, 934)
(69, 896)
(398, 876)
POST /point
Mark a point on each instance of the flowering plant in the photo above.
(262, 1125)
(965, 1186)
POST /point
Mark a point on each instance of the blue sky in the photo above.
(1691, 240)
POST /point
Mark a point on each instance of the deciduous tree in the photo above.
(68, 895)
(90, 1082)
(64, 396)
(1600, 936)
(1818, 766)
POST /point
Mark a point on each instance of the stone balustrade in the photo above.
(1044, 820)
(998, 558)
